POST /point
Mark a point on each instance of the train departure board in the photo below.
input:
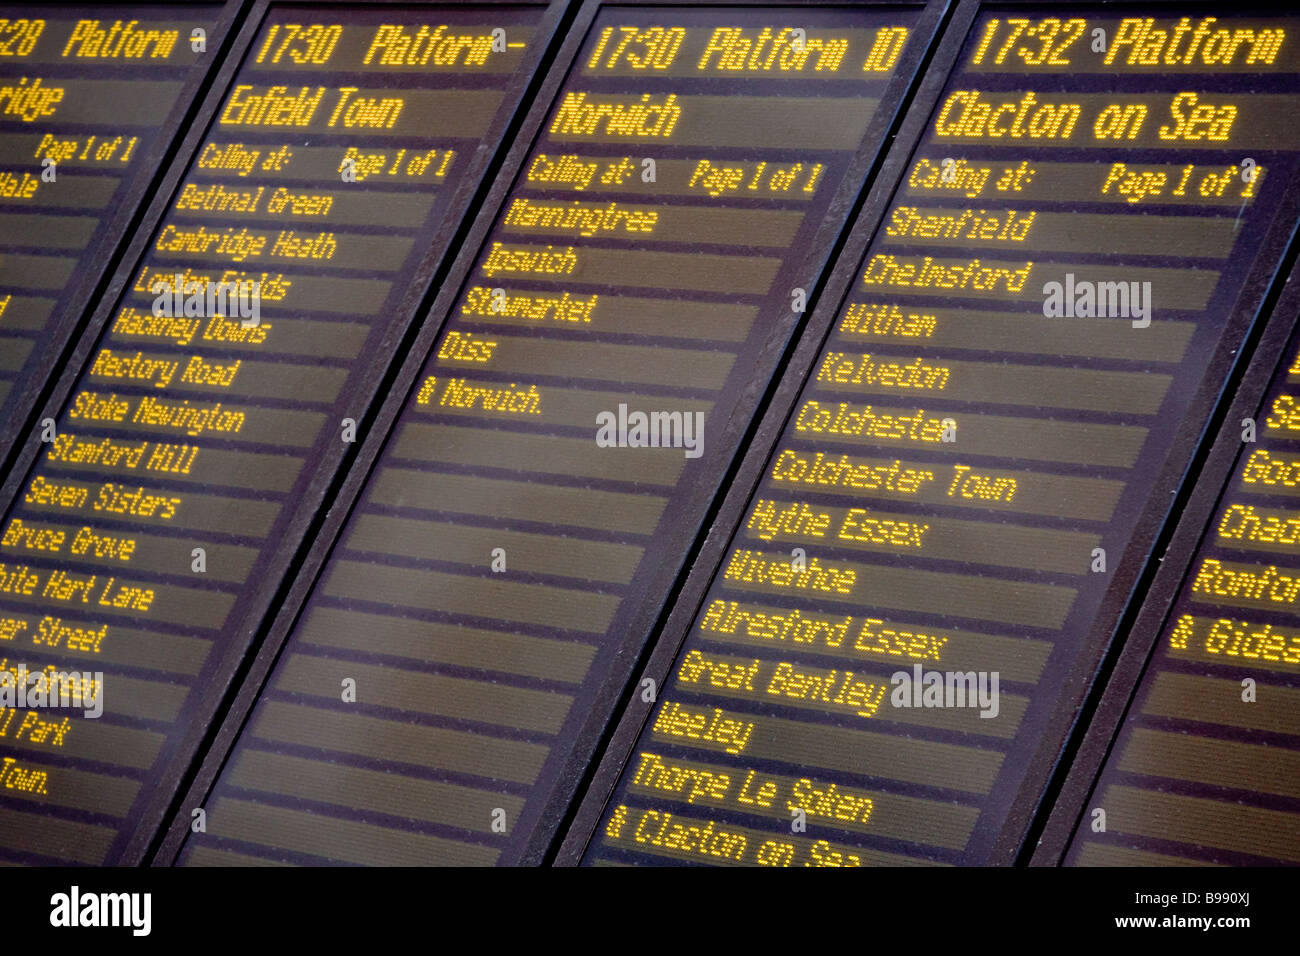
(1206, 769)
(891, 650)
(86, 92)
(549, 467)
(149, 536)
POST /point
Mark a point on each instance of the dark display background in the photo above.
(1199, 776)
(473, 686)
(481, 691)
(101, 136)
(343, 264)
(1081, 413)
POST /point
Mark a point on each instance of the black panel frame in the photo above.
(547, 826)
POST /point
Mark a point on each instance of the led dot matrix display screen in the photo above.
(145, 539)
(1206, 769)
(521, 518)
(85, 91)
(936, 536)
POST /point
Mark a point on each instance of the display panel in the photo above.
(1206, 768)
(149, 537)
(547, 472)
(85, 94)
(947, 529)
